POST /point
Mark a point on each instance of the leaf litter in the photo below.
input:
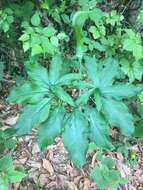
(53, 170)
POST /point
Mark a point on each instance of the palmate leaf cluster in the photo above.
(51, 108)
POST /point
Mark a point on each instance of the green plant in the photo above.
(6, 19)
(8, 174)
(46, 98)
(7, 140)
(106, 175)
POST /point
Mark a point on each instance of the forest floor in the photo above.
(53, 170)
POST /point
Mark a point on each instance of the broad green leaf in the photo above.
(118, 115)
(75, 137)
(26, 46)
(51, 128)
(83, 2)
(38, 74)
(35, 20)
(4, 183)
(55, 68)
(16, 176)
(109, 72)
(79, 18)
(96, 15)
(49, 31)
(138, 130)
(6, 164)
(68, 78)
(32, 115)
(98, 129)
(47, 46)
(134, 70)
(36, 49)
(92, 70)
(63, 95)
(132, 42)
(27, 93)
(121, 91)
(24, 37)
(54, 41)
(98, 99)
(138, 52)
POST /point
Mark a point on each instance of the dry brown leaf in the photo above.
(16, 186)
(34, 164)
(48, 166)
(120, 156)
(23, 160)
(93, 160)
(71, 186)
(86, 185)
(35, 149)
(43, 180)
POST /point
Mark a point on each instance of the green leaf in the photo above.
(54, 41)
(98, 99)
(138, 52)
(38, 74)
(138, 131)
(24, 37)
(109, 72)
(47, 46)
(132, 70)
(36, 49)
(122, 91)
(49, 31)
(92, 70)
(35, 20)
(51, 128)
(33, 115)
(55, 69)
(68, 78)
(132, 42)
(6, 164)
(16, 176)
(10, 144)
(26, 46)
(75, 137)
(4, 183)
(118, 115)
(27, 93)
(98, 129)
(79, 18)
(96, 16)
(64, 96)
